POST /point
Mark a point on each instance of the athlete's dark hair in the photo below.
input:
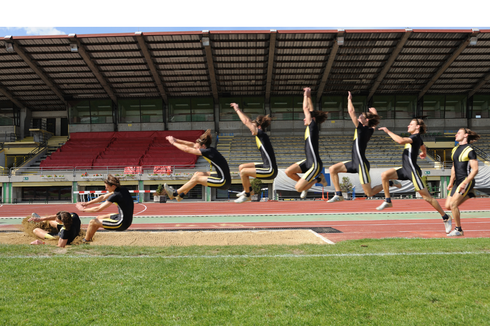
(472, 136)
(263, 121)
(373, 119)
(421, 123)
(112, 181)
(205, 139)
(66, 218)
(319, 116)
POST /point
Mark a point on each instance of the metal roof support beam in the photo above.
(446, 64)
(27, 59)
(206, 43)
(88, 60)
(390, 61)
(328, 67)
(270, 64)
(479, 85)
(11, 97)
(151, 65)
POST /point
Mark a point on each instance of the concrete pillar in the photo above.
(25, 121)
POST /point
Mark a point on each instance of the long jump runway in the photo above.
(347, 220)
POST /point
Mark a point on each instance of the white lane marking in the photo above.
(142, 210)
(382, 254)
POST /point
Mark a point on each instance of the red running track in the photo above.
(359, 229)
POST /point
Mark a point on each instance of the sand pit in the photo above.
(177, 238)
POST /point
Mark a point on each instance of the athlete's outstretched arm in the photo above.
(306, 105)
(183, 142)
(246, 120)
(400, 140)
(352, 110)
(40, 219)
(184, 147)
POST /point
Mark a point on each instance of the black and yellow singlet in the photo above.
(268, 168)
(221, 178)
(410, 170)
(359, 163)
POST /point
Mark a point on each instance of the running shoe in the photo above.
(455, 233)
(243, 193)
(36, 215)
(303, 194)
(84, 241)
(384, 205)
(243, 199)
(169, 190)
(396, 184)
(178, 198)
(335, 198)
(447, 224)
(322, 180)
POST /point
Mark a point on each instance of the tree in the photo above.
(346, 185)
(256, 186)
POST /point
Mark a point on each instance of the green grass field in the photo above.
(363, 282)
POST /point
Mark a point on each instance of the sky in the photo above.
(56, 17)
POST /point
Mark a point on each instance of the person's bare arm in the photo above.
(352, 110)
(62, 243)
(97, 200)
(400, 140)
(306, 106)
(423, 153)
(452, 179)
(184, 147)
(246, 120)
(95, 209)
(172, 139)
(41, 219)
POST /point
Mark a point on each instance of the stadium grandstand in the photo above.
(74, 108)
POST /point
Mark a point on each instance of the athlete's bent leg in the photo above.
(292, 172)
(198, 178)
(431, 200)
(371, 191)
(93, 226)
(334, 174)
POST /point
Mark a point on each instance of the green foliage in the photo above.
(346, 185)
(256, 186)
(159, 191)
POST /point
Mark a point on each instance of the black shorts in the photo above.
(54, 235)
(361, 167)
(264, 172)
(467, 191)
(414, 175)
(215, 180)
(114, 223)
(311, 171)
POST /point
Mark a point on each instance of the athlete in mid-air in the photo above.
(312, 165)
(365, 125)
(409, 169)
(220, 179)
(268, 168)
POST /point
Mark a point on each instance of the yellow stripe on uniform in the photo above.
(467, 190)
(415, 179)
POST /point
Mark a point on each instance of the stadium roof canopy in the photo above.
(49, 72)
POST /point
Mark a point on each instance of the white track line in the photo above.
(142, 210)
(259, 256)
(322, 237)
